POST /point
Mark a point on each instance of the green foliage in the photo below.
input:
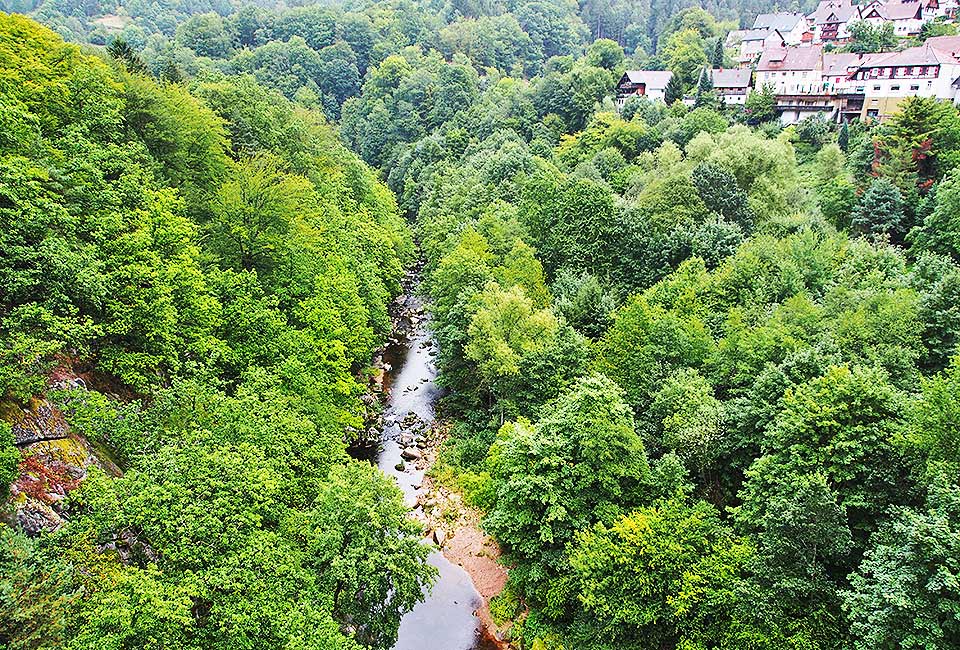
(673, 90)
(923, 138)
(720, 194)
(664, 575)
(505, 327)
(205, 34)
(760, 106)
(866, 37)
(940, 231)
(645, 344)
(932, 424)
(239, 504)
(583, 302)
(224, 263)
(936, 27)
(687, 420)
(905, 592)
(571, 222)
(37, 593)
(207, 243)
(685, 56)
(580, 464)
(880, 211)
(842, 425)
(9, 458)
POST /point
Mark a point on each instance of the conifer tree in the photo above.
(717, 59)
(673, 91)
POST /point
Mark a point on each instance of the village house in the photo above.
(930, 70)
(831, 19)
(754, 41)
(907, 17)
(796, 76)
(642, 83)
(845, 86)
(791, 26)
(790, 70)
(732, 85)
(946, 8)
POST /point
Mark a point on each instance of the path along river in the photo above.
(446, 618)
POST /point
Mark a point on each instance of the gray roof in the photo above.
(784, 22)
(755, 35)
(841, 10)
(730, 77)
(652, 78)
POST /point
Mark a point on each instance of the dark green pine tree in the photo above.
(717, 60)
(171, 73)
(673, 91)
(881, 209)
(705, 96)
(121, 51)
(843, 138)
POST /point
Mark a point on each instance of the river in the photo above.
(445, 619)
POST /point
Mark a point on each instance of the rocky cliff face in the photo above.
(55, 461)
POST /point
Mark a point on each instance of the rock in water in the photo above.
(411, 453)
(439, 537)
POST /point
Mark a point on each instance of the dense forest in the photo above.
(217, 254)
(701, 372)
(319, 54)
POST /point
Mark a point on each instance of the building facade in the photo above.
(642, 83)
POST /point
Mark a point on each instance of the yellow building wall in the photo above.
(885, 106)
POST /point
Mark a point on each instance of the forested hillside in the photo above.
(219, 259)
(319, 53)
(701, 372)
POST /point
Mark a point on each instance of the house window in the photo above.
(876, 87)
(894, 87)
(910, 71)
(923, 71)
(915, 87)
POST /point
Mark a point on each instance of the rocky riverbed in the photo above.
(403, 440)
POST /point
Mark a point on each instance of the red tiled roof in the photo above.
(944, 43)
(790, 58)
(922, 55)
(898, 11)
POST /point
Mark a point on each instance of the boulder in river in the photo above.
(411, 453)
(439, 537)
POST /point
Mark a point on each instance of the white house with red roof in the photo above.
(907, 17)
(930, 70)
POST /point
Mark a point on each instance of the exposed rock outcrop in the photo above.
(55, 461)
